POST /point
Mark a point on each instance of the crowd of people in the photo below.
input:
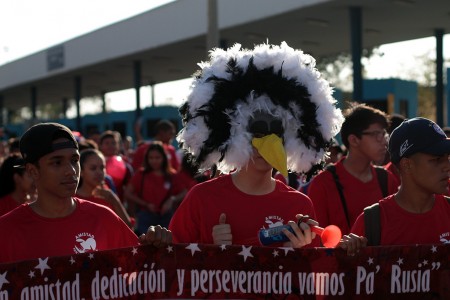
(258, 136)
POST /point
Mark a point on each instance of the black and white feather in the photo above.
(237, 82)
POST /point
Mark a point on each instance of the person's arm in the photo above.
(157, 236)
(354, 241)
(173, 201)
(303, 235)
(130, 195)
(221, 232)
(138, 130)
(318, 193)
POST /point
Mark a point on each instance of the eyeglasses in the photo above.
(379, 135)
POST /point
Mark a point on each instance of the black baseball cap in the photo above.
(37, 141)
(417, 135)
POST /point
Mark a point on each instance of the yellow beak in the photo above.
(271, 148)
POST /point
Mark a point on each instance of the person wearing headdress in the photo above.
(250, 111)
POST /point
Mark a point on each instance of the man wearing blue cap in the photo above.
(418, 213)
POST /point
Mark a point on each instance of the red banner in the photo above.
(206, 271)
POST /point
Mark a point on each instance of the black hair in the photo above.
(394, 121)
(164, 125)
(14, 145)
(84, 155)
(358, 118)
(7, 172)
(108, 134)
(189, 165)
(157, 146)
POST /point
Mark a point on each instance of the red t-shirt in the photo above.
(400, 227)
(186, 180)
(358, 195)
(96, 200)
(120, 173)
(154, 188)
(89, 228)
(7, 204)
(394, 170)
(281, 178)
(247, 214)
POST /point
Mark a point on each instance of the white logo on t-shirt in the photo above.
(274, 221)
(85, 242)
(444, 238)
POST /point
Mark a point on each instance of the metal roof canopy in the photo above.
(169, 41)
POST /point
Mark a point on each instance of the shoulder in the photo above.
(138, 173)
(287, 193)
(16, 215)
(325, 176)
(216, 186)
(443, 200)
(383, 170)
(221, 181)
(387, 203)
(90, 208)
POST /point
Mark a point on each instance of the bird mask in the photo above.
(271, 98)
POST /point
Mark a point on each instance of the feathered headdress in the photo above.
(237, 84)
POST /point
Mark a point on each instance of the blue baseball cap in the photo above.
(417, 135)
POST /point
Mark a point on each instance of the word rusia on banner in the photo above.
(196, 271)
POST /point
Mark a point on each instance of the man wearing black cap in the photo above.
(418, 213)
(57, 223)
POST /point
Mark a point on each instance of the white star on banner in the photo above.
(42, 265)
(434, 249)
(223, 247)
(246, 252)
(91, 255)
(72, 261)
(3, 279)
(425, 262)
(169, 249)
(286, 249)
(134, 251)
(275, 253)
(193, 248)
(31, 274)
(400, 261)
(370, 261)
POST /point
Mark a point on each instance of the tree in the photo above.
(337, 68)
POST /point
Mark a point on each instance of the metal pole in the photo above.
(65, 105)
(356, 46)
(212, 37)
(33, 102)
(2, 105)
(137, 86)
(77, 102)
(439, 34)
